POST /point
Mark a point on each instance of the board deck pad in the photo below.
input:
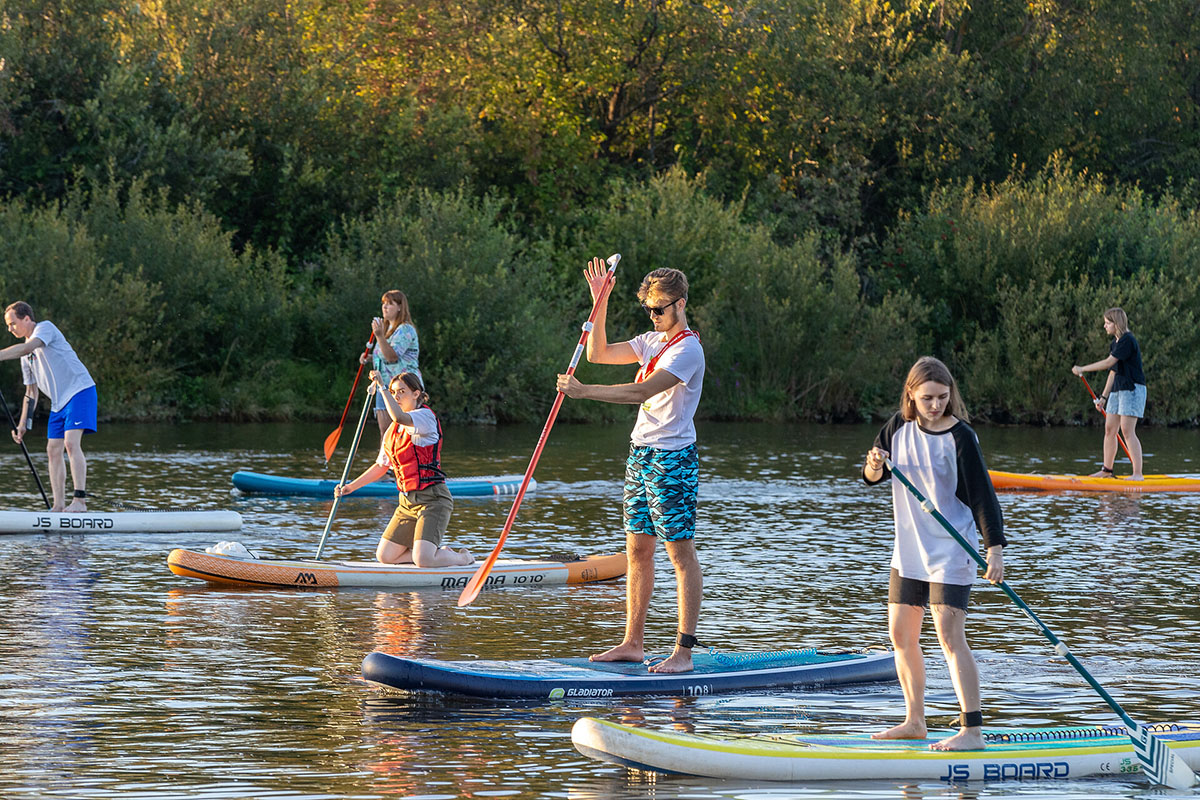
(706, 663)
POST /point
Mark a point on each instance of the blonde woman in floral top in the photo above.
(396, 347)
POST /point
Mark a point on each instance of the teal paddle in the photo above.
(1158, 762)
(362, 420)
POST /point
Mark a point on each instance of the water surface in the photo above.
(119, 678)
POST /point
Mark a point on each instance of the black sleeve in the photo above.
(1122, 349)
(884, 442)
(975, 488)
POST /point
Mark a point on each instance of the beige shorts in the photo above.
(423, 514)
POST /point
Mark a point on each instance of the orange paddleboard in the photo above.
(1084, 483)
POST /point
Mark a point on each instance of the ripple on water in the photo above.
(119, 678)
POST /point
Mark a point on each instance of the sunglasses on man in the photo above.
(659, 310)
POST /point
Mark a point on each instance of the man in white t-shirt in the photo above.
(49, 363)
(662, 471)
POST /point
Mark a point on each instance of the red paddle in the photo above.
(1120, 438)
(332, 439)
(471, 590)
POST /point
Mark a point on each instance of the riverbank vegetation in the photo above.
(209, 198)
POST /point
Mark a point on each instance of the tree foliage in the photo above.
(879, 163)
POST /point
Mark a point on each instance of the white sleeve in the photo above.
(682, 360)
(639, 345)
(424, 429)
(382, 459)
(47, 332)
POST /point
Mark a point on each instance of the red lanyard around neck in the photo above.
(647, 368)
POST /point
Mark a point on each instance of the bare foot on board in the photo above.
(622, 652)
(678, 661)
(78, 506)
(965, 739)
(905, 730)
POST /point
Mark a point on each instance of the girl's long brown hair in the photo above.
(399, 298)
(1117, 317)
(926, 369)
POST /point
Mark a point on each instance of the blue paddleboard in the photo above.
(567, 678)
(484, 486)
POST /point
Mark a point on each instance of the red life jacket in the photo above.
(645, 370)
(416, 466)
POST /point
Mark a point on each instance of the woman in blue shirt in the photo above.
(396, 347)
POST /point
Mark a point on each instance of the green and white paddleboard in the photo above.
(1014, 754)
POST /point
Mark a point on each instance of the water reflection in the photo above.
(399, 623)
(47, 635)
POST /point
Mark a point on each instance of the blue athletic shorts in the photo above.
(660, 492)
(78, 414)
(1127, 403)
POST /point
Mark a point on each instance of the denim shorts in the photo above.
(1127, 404)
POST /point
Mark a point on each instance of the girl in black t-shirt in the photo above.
(1123, 401)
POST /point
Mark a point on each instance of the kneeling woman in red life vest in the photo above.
(412, 449)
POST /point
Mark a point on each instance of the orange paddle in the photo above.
(1120, 438)
(332, 439)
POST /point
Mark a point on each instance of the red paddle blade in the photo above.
(332, 439)
(331, 443)
(471, 590)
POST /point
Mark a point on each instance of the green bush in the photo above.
(1018, 274)
(786, 332)
(105, 311)
(167, 317)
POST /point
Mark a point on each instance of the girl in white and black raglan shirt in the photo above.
(930, 441)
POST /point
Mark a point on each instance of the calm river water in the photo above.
(119, 678)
